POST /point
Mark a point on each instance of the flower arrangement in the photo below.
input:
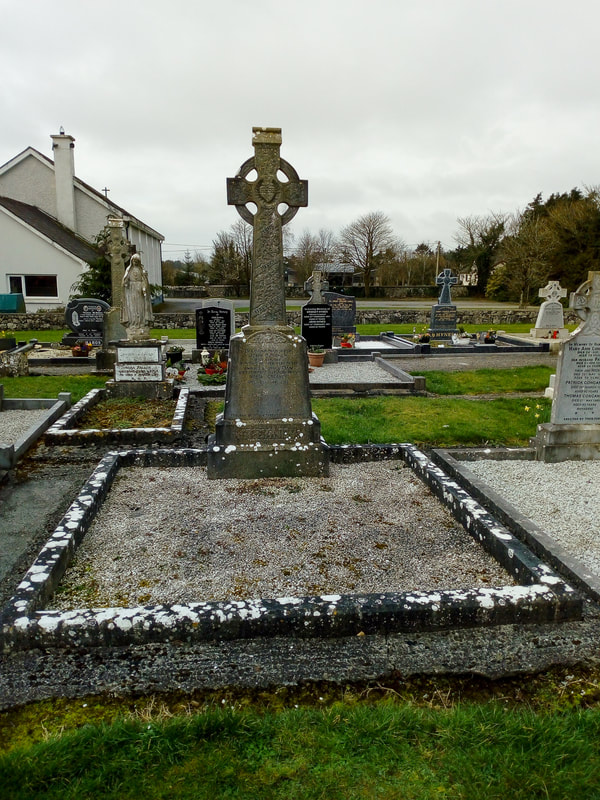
(177, 372)
(81, 349)
(348, 340)
(214, 370)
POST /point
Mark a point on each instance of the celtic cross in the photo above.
(552, 291)
(267, 192)
(586, 303)
(445, 279)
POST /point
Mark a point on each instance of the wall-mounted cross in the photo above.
(267, 192)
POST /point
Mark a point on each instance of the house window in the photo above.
(33, 285)
(40, 286)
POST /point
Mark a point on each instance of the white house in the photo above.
(48, 221)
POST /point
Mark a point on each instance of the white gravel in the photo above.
(168, 535)
(16, 423)
(563, 499)
(351, 372)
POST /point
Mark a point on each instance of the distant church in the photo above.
(48, 221)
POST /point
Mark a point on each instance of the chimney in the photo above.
(64, 172)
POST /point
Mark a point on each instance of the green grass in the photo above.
(371, 329)
(488, 381)
(51, 385)
(383, 750)
(432, 422)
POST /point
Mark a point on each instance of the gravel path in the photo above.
(14, 424)
(563, 499)
(168, 535)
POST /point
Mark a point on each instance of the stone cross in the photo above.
(586, 302)
(445, 279)
(119, 251)
(553, 292)
(317, 286)
(267, 193)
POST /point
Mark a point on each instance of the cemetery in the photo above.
(265, 555)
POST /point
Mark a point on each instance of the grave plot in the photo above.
(23, 421)
(552, 507)
(347, 594)
(70, 429)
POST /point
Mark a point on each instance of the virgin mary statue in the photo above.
(136, 309)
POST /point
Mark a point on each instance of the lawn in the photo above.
(386, 749)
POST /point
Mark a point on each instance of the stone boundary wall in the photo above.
(493, 318)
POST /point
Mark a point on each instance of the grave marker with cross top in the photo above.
(267, 427)
(445, 279)
(267, 192)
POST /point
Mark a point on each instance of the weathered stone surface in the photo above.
(574, 429)
(267, 427)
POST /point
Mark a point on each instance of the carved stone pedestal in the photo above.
(267, 428)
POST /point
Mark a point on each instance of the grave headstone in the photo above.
(443, 320)
(550, 317)
(343, 312)
(139, 371)
(317, 325)
(215, 324)
(267, 427)
(573, 432)
(85, 317)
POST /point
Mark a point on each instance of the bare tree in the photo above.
(363, 240)
(242, 234)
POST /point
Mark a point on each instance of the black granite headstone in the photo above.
(343, 312)
(316, 325)
(213, 328)
(85, 317)
(443, 321)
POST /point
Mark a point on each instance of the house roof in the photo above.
(101, 198)
(50, 228)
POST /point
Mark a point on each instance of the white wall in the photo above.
(24, 252)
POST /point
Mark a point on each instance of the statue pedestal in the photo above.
(140, 371)
(267, 428)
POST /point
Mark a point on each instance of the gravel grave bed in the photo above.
(562, 498)
(15, 423)
(169, 535)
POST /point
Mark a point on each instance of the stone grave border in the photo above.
(456, 464)
(540, 595)
(65, 432)
(10, 454)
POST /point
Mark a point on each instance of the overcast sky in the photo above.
(427, 110)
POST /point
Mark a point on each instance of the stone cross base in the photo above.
(267, 428)
(300, 453)
(556, 442)
(150, 390)
(544, 333)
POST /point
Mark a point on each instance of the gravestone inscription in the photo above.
(573, 432)
(213, 327)
(343, 312)
(85, 317)
(317, 325)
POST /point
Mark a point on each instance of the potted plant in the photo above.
(7, 342)
(490, 337)
(174, 355)
(316, 356)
